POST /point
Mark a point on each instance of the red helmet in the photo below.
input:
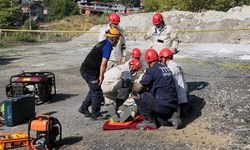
(135, 53)
(157, 18)
(135, 63)
(151, 55)
(114, 18)
(165, 52)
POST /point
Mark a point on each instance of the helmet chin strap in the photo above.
(160, 27)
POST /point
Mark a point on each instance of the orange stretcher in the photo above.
(13, 140)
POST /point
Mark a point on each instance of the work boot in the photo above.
(103, 101)
(147, 124)
(99, 117)
(84, 112)
(184, 110)
(113, 113)
(176, 122)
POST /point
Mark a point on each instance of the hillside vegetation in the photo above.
(192, 5)
(77, 23)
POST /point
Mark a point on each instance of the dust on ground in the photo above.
(218, 95)
(218, 88)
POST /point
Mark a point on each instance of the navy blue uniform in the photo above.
(90, 70)
(161, 100)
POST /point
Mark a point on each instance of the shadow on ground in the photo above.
(67, 141)
(5, 61)
(193, 86)
(196, 103)
(61, 97)
(50, 113)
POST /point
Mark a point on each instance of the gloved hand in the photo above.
(137, 87)
(173, 50)
(123, 60)
(135, 95)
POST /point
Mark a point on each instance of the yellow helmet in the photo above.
(113, 32)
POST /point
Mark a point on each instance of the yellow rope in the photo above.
(139, 32)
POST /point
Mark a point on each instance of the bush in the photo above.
(25, 38)
(59, 9)
(192, 5)
(2, 45)
(8, 13)
(33, 24)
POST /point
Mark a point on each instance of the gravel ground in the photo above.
(219, 96)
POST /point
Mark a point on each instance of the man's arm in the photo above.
(123, 46)
(102, 34)
(175, 41)
(102, 70)
(149, 34)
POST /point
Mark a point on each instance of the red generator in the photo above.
(41, 84)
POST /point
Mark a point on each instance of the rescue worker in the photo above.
(155, 95)
(118, 55)
(112, 82)
(166, 58)
(135, 53)
(118, 84)
(92, 71)
(162, 35)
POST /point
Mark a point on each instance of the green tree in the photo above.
(59, 9)
(130, 3)
(105, 1)
(152, 5)
(192, 5)
(8, 13)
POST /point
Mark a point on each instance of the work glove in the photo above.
(135, 95)
(123, 60)
(137, 87)
(123, 53)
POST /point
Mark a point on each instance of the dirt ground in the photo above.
(219, 97)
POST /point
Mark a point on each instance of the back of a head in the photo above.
(114, 18)
(113, 32)
(151, 55)
(165, 52)
(135, 53)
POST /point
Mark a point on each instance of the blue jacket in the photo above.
(160, 82)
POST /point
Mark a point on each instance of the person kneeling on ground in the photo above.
(166, 58)
(120, 86)
(159, 101)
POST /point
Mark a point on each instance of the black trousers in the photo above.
(94, 97)
(151, 110)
